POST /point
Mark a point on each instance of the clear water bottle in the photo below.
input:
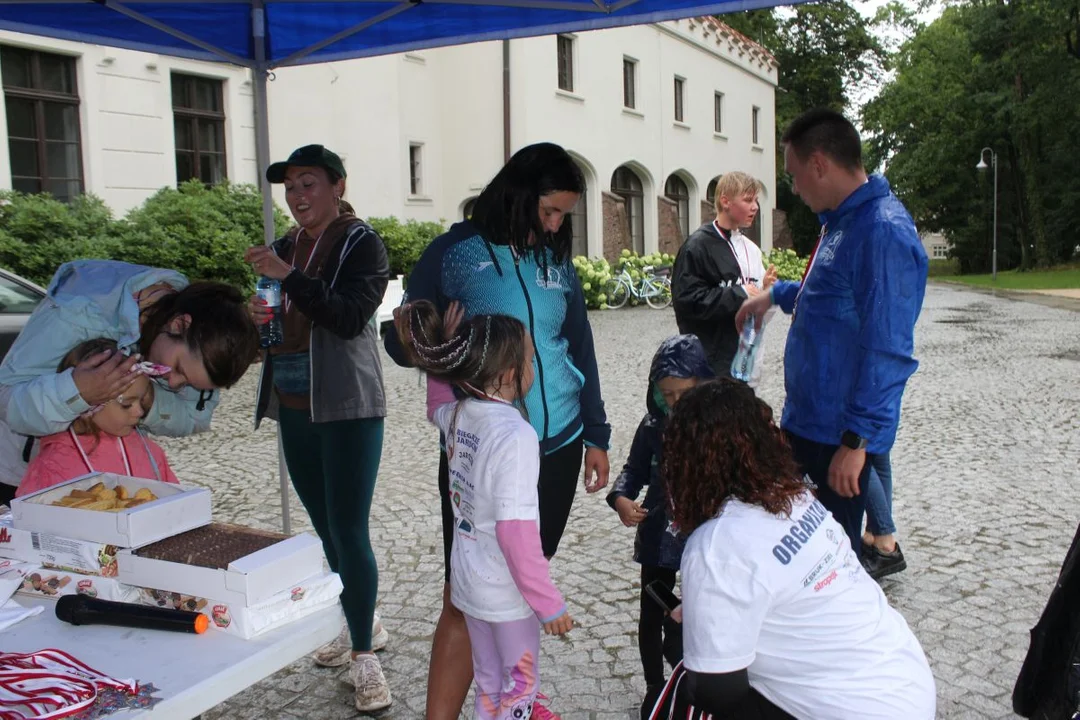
(742, 367)
(269, 291)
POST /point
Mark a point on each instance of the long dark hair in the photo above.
(508, 210)
(721, 442)
(474, 358)
(221, 332)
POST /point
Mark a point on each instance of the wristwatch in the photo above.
(853, 441)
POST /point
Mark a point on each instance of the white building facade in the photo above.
(653, 114)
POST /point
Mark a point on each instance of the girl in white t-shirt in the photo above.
(780, 617)
(498, 573)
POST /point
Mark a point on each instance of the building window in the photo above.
(199, 127)
(676, 191)
(679, 83)
(710, 191)
(626, 184)
(416, 177)
(754, 125)
(629, 83)
(940, 252)
(43, 122)
(566, 63)
(718, 113)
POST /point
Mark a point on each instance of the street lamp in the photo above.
(983, 166)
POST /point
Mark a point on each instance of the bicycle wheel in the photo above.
(617, 294)
(659, 293)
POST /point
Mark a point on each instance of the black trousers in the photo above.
(559, 474)
(659, 637)
(814, 459)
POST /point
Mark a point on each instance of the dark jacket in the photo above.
(850, 349)
(564, 402)
(346, 372)
(681, 356)
(706, 290)
(1048, 687)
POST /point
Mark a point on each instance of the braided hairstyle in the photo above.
(475, 358)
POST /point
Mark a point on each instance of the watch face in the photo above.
(853, 441)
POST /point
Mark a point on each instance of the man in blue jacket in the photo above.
(850, 348)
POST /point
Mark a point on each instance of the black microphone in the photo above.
(84, 610)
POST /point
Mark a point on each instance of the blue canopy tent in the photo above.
(266, 34)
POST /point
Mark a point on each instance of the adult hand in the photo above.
(560, 625)
(757, 307)
(844, 471)
(105, 376)
(770, 277)
(676, 614)
(630, 512)
(452, 319)
(258, 310)
(752, 290)
(596, 469)
(265, 262)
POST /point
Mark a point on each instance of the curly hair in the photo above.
(722, 442)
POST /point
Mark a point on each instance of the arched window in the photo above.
(710, 193)
(626, 184)
(467, 209)
(579, 223)
(676, 191)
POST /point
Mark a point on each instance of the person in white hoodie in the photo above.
(200, 331)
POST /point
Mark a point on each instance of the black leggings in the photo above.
(559, 473)
(659, 637)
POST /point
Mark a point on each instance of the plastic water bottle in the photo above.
(742, 367)
(269, 291)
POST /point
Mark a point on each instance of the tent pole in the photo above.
(262, 161)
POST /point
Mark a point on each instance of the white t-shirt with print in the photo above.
(494, 459)
(788, 600)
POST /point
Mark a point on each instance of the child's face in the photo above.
(742, 210)
(120, 416)
(672, 388)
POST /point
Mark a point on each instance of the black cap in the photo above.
(307, 156)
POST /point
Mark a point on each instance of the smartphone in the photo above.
(663, 596)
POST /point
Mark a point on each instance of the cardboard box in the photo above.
(49, 551)
(178, 508)
(300, 600)
(245, 583)
(45, 582)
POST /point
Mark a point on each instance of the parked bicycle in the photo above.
(653, 287)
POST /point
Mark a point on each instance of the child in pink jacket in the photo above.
(107, 438)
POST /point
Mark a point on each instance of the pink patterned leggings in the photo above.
(506, 666)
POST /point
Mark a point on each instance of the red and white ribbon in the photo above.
(50, 684)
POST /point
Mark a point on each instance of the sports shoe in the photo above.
(372, 692)
(338, 651)
(879, 564)
(540, 712)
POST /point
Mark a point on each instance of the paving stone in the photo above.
(985, 469)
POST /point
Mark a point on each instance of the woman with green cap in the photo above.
(324, 386)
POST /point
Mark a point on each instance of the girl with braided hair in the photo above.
(499, 578)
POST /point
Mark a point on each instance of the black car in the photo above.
(18, 298)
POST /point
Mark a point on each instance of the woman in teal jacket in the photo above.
(201, 331)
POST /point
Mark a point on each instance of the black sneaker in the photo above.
(879, 564)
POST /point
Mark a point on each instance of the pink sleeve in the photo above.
(519, 541)
(439, 393)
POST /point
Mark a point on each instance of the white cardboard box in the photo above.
(178, 508)
(246, 582)
(291, 604)
(48, 583)
(50, 551)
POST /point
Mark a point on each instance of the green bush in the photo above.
(944, 268)
(597, 275)
(405, 241)
(789, 266)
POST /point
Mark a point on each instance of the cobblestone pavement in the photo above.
(986, 469)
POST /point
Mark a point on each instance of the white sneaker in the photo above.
(338, 651)
(372, 692)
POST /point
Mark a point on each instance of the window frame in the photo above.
(755, 118)
(193, 116)
(39, 96)
(682, 202)
(416, 169)
(630, 83)
(634, 201)
(718, 112)
(680, 99)
(565, 62)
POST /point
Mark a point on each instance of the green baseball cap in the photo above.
(307, 156)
